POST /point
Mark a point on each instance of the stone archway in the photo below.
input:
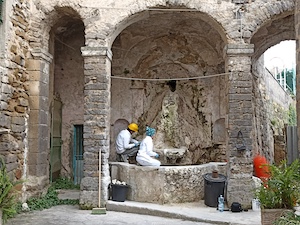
(172, 45)
(277, 29)
(67, 84)
(48, 62)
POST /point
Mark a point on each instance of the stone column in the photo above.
(297, 38)
(240, 118)
(97, 70)
(38, 133)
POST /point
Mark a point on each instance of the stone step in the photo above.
(68, 194)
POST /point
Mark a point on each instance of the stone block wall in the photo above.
(165, 184)
(271, 112)
(96, 125)
(14, 97)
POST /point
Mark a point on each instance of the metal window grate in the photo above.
(78, 153)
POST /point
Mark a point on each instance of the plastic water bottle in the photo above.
(221, 203)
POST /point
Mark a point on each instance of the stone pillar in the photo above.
(97, 70)
(297, 38)
(39, 129)
(240, 118)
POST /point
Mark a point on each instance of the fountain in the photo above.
(180, 178)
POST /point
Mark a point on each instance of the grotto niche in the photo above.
(170, 76)
(190, 121)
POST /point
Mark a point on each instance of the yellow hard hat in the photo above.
(134, 127)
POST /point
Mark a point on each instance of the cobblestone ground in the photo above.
(70, 215)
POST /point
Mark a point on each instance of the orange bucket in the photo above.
(261, 168)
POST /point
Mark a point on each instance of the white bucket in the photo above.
(255, 204)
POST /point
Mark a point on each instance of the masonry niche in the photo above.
(66, 108)
(179, 85)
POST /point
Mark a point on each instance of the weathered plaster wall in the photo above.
(69, 85)
(163, 46)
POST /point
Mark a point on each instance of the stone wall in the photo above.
(164, 185)
(271, 113)
(14, 97)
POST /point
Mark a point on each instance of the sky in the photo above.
(282, 55)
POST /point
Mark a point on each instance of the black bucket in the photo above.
(119, 192)
(213, 188)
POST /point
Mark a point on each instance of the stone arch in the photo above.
(276, 28)
(62, 22)
(45, 17)
(273, 31)
(66, 39)
(118, 125)
(144, 12)
(265, 19)
(162, 44)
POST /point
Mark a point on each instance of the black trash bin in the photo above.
(119, 192)
(213, 188)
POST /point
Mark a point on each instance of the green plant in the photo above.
(282, 189)
(64, 183)
(51, 197)
(292, 115)
(8, 193)
(49, 200)
(289, 218)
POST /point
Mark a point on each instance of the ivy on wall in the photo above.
(292, 115)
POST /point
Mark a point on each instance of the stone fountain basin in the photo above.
(164, 184)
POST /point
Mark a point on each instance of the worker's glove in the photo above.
(137, 144)
(156, 156)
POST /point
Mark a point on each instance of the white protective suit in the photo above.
(124, 141)
(145, 152)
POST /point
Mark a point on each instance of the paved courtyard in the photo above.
(70, 215)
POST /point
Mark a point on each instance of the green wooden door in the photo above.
(55, 140)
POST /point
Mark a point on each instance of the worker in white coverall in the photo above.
(126, 146)
(145, 154)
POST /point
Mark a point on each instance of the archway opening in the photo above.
(164, 48)
(66, 96)
(274, 100)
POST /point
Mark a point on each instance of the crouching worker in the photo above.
(126, 146)
(145, 154)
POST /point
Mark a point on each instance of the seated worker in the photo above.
(145, 153)
(126, 146)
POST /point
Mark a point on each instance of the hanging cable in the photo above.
(168, 79)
